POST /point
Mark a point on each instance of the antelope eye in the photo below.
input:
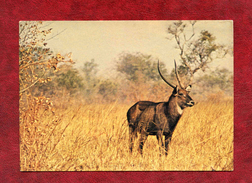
(181, 94)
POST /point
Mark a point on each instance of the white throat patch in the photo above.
(180, 111)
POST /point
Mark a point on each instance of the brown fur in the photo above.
(150, 118)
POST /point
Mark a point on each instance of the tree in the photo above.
(195, 54)
(90, 69)
(139, 68)
(140, 76)
(220, 78)
(108, 90)
(90, 79)
(36, 61)
(70, 80)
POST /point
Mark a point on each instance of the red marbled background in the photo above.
(11, 12)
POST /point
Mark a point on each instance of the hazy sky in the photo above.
(103, 41)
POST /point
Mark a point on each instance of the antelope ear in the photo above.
(175, 91)
(188, 89)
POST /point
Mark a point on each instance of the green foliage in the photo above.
(139, 67)
(202, 50)
(95, 87)
(90, 70)
(108, 89)
(219, 79)
(71, 80)
(182, 71)
(195, 53)
(90, 79)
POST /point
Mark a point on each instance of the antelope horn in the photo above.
(177, 76)
(164, 78)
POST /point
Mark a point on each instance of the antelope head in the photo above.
(180, 92)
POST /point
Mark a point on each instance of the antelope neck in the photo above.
(174, 107)
(179, 110)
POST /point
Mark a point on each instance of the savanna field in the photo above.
(94, 137)
(73, 119)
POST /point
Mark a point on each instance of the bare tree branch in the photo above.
(56, 35)
(195, 54)
(23, 90)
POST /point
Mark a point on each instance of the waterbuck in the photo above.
(150, 118)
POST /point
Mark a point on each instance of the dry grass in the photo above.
(95, 137)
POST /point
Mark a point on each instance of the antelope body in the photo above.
(160, 119)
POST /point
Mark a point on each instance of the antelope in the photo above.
(160, 119)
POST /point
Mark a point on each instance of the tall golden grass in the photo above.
(95, 138)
